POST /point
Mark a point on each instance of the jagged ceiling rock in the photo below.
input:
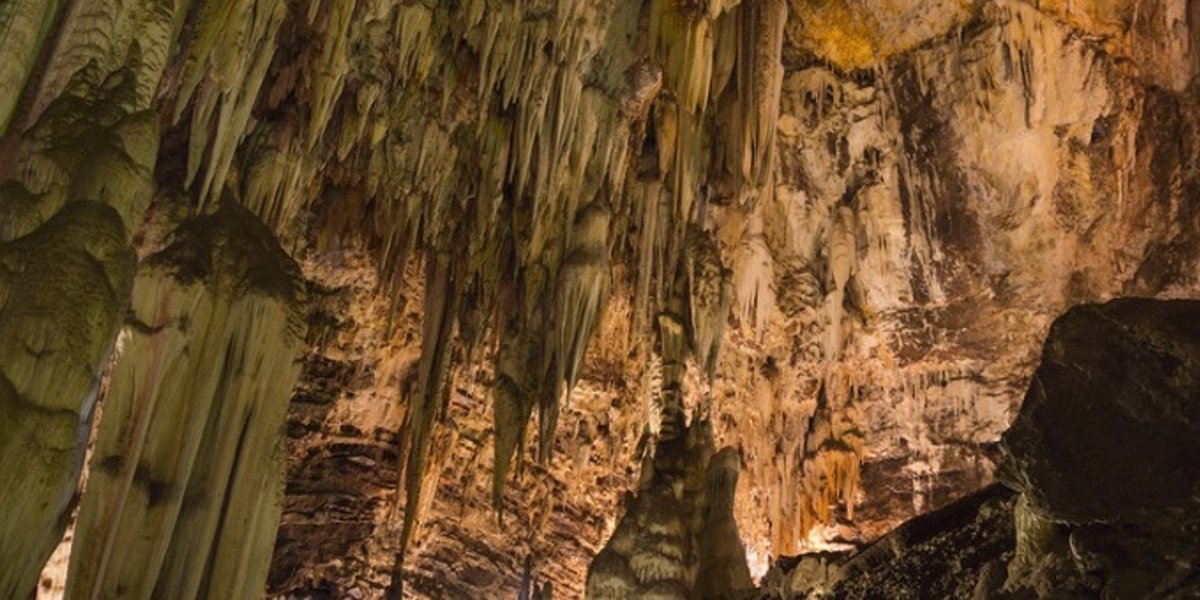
(837, 228)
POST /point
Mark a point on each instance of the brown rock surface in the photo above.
(836, 230)
(1102, 460)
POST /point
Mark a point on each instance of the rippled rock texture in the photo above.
(460, 264)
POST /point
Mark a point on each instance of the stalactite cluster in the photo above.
(833, 232)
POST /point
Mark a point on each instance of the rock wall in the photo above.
(1074, 518)
(837, 230)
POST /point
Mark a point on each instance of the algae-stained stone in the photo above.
(186, 480)
(63, 291)
(1110, 428)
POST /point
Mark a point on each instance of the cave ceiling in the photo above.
(322, 295)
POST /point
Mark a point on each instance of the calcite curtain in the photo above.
(330, 261)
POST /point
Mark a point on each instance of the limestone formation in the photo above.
(834, 232)
(76, 185)
(677, 538)
(186, 480)
(1078, 520)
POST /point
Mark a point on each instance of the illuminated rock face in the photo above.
(75, 187)
(835, 231)
(188, 462)
(1081, 516)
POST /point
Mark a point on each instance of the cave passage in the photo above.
(599, 299)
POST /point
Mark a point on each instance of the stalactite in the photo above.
(583, 292)
(432, 384)
(222, 75)
(759, 85)
(186, 480)
(512, 403)
(649, 200)
(685, 177)
(754, 279)
(710, 297)
(833, 448)
(357, 116)
(531, 151)
(415, 35)
(683, 43)
(331, 68)
(112, 35)
(842, 256)
(550, 143)
(97, 32)
(278, 179)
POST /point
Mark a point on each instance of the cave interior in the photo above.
(606, 299)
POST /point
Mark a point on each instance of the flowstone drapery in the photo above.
(836, 232)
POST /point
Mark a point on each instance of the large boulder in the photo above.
(1110, 429)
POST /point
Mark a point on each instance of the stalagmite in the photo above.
(672, 348)
(55, 342)
(677, 538)
(721, 556)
